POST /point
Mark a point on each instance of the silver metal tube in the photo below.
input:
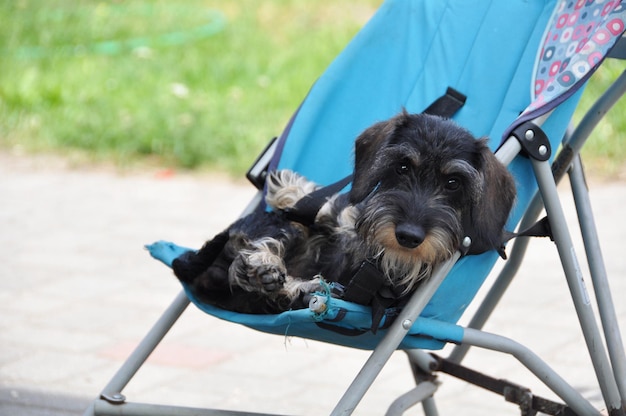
(430, 409)
(606, 307)
(392, 339)
(575, 140)
(104, 408)
(504, 279)
(91, 410)
(576, 284)
(426, 362)
(531, 361)
(505, 154)
(409, 399)
(145, 348)
(509, 149)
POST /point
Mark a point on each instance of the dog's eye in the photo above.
(452, 183)
(402, 168)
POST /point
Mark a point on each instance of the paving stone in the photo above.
(77, 291)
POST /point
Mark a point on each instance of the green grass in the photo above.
(605, 151)
(193, 84)
(209, 101)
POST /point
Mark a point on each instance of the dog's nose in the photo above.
(410, 235)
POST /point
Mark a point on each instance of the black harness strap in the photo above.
(306, 209)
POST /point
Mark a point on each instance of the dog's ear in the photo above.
(366, 155)
(492, 203)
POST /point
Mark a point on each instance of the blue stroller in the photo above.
(520, 67)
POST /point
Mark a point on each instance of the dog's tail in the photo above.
(192, 264)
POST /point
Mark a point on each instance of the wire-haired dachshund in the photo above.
(421, 184)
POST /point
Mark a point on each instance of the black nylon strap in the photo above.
(539, 229)
(514, 393)
(306, 209)
(350, 332)
(447, 105)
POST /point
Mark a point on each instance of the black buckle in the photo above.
(364, 285)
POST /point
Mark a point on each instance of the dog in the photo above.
(421, 184)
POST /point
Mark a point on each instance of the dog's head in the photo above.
(423, 183)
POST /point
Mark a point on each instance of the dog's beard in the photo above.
(405, 267)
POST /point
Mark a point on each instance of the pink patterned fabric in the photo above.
(580, 34)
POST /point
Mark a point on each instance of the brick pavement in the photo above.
(77, 292)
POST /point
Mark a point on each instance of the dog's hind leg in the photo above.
(285, 188)
(259, 267)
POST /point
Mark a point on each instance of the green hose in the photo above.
(216, 23)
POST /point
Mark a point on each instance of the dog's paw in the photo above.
(254, 274)
(270, 276)
(259, 269)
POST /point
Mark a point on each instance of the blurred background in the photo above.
(193, 84)
(198, 84)
(196, 87)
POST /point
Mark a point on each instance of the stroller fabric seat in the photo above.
(408, 54)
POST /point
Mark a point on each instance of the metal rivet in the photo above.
(406, 324)
(529, 135)
(115, 398)
(543, 150)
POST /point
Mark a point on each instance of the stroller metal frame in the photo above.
(611, 373)
(604, 341)
(609, 362)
